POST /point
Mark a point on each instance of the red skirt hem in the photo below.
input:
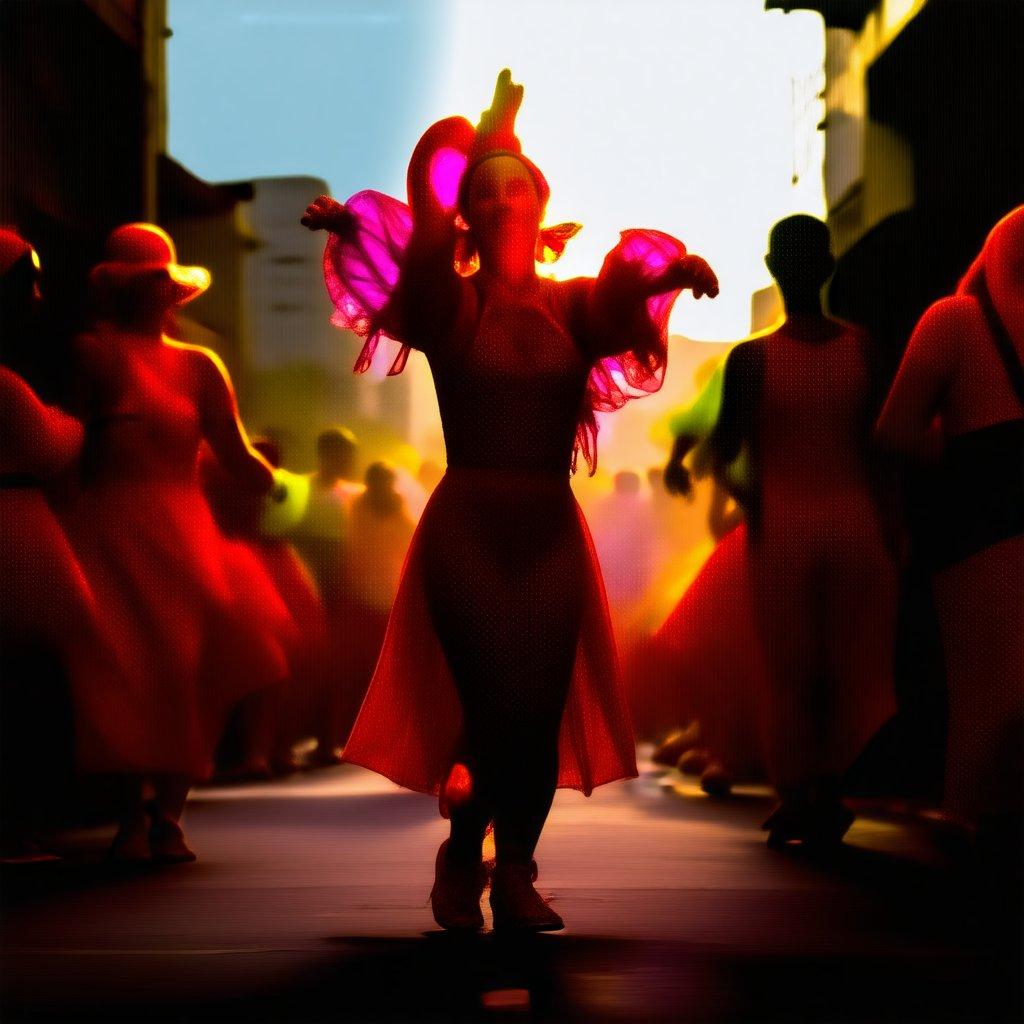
(412, 686)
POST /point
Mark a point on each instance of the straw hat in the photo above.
(136, 250)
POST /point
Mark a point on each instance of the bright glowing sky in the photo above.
(675, 114)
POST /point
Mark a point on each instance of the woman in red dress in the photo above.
(499, 653)
(47, 611)
(165, 578)
(959, 397)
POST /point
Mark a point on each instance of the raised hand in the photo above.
(327, 214)
(501, 115)
(694, 273)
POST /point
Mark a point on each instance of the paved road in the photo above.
(309, 903)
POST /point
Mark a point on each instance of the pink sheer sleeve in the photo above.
(626, 329)
(362, 270)
(394, 276)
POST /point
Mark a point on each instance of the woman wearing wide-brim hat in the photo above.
(189, 643)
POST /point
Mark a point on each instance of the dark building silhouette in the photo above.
(82, 120)
(924, 102)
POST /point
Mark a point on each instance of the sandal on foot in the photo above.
(458, 889)
(516, 904)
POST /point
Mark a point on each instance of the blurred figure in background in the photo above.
(708, 648)
(259, 735)
(48, 629)
(144, 532)
(959, 398)
(380, 529)
(310, 673)
(823, 579)
(321, 539)
(624, 535)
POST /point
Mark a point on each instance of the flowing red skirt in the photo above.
(410, 725)
(710, 661)
(192, 618)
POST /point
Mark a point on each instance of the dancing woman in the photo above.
(499, 653)
(193, 629)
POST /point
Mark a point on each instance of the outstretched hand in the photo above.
(677, 479)
(694, 272)
(327, 214)
(501, 115)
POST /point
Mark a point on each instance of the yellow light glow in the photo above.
(696, 118)
(685, 116)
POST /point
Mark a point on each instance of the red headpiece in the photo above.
(495, 136)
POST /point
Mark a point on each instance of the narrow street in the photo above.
(309, 903)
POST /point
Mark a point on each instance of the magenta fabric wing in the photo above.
(361, 271)
(639, 369)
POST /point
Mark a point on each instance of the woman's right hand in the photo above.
(327, 214)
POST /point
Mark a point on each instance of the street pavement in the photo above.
(309, 903)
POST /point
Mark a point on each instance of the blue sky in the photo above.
(674, 114)
(260, 88)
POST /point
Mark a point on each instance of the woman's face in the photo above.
(503, 201)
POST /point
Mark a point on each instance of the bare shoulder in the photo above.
(946, 323)
(203, 364)
(953, 312)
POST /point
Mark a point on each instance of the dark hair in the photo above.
(336, 440)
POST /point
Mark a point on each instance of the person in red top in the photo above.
(959, 398)
(47, 611)
(822, 577)
(498, 653)
(163, 575)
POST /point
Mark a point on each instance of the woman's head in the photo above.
(799, 255)
(381, 495)
(502, 203)
(140, 279)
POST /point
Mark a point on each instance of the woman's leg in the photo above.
(166, 836)
(131, 844)
(505, 595)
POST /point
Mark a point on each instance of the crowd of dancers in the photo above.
(783, 647)
(151, 567)
(207, 609)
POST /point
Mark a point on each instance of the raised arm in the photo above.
(619, 313)
(430, 293)
(389, 267)
(222, 427)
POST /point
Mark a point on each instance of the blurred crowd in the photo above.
(178, 605)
